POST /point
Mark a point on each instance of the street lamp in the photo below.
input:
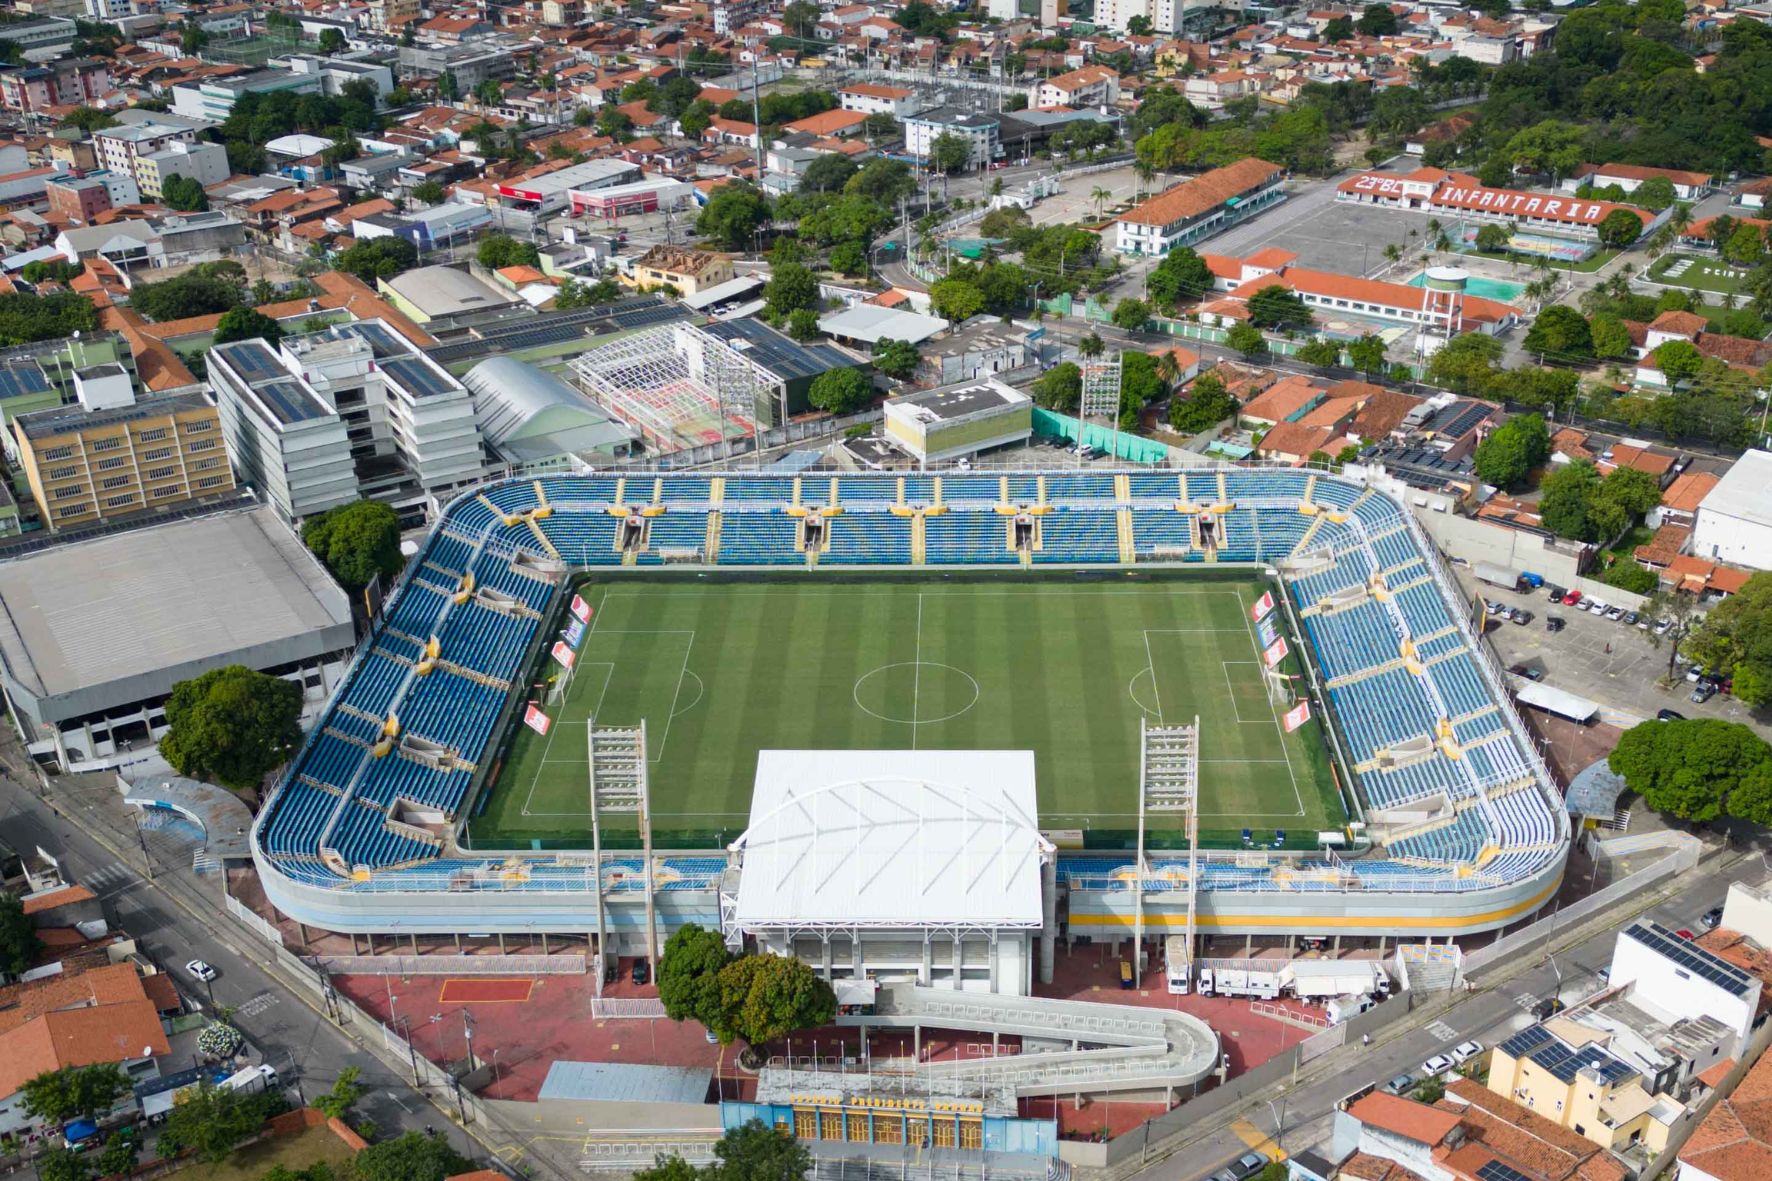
(1279, 1122)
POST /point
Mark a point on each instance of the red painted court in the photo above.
(487, 991)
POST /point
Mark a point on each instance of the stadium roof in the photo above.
(120, 618)
(520, 406)
(892, 838)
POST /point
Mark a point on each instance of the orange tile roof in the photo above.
(66, 896)
(114, 1032)
(1653, 463)
(1371, 291)
(1734, 1142)
(1294, 440)
(1283, 399)
(340, 290)
(157, 365)
(1404, 1117)
(827, 122)
(1207, 191)
(1681, 323)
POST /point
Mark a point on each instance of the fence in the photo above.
(780, 436)
(1119, 443)
(566, 964)
(1540, 934)
(253, 922)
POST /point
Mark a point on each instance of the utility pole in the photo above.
(756, 115)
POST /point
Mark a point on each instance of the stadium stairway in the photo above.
(711, 546)
(919, 535)
(1128, 547)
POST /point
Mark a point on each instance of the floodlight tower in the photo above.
(615, 762)
(1101, 392)
(1169, 783)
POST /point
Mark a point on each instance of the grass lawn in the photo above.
(1062, 666)
(253, 1162)
(1699, 274)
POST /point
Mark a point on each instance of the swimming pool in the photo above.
(1482, 288)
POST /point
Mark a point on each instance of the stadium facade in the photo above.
(1459, 827)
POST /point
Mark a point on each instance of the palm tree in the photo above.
(1100, 196)
(1143, 170)
(1393, 253)
(1168, 368)
(1091, 345)
(1680, 218)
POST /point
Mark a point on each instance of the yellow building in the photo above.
(1562, 1070)
(689, 271)
(87, 466)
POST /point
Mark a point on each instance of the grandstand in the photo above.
(1462, 826)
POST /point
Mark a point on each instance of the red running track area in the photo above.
(487, 991)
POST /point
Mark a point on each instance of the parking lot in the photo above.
(1612, 665)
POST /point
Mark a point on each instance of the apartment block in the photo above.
(289, 443)
(205, 163)
(86, 466)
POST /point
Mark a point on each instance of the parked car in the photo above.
(1693, 673)
(1573, 599)
(1400, 1084)
(1662, 626)
(1548, 1008)
(1703, 693)
(641, 975)
(1492, 607)
(1582, 602)
(1669, 715)
(200, 970)
(1438, 1064)
(1683, 933)
(1615, 613)
(1555, 593)
(1630, 619)
(1555, 623)
(1465, 1051)
(1712, 918)
(1527, 671)
(1247, 1165)
(1522, 616)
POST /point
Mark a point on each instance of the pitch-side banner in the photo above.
(563, 654)
(1268, 634)
(575, 634)
(536, 720)
(581, 609)
(1262, 606)
(1275, 652)
(1297, 716)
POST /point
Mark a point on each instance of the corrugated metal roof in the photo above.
(624, 1082)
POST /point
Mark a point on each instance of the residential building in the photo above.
(214, 98)
(74, 82)
(1688, 186)
(205, 163)
(1091, 86)
(871, 98)
(120, 147)
(1734, 1141)
(976, 348)
(89, 465)
(335, 73)
(689, 271)
(470, 65)
(44, 40)
(1197, 208)
(982, 133)
(1734, 520)
(81, 198)
(1565, 1070)
(1675, 976)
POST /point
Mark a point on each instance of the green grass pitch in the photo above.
(1065, 667)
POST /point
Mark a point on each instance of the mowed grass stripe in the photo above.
(777, 665)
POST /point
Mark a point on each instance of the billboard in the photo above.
(563, 654)
(575, 634)
(1297, 716)
(1267, 632)
(1263, 606)
(1275, 652)
(581, 610)
(536, 720)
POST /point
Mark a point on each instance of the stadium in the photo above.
(781, 707)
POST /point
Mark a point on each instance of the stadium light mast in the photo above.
(1169, 782)
(1100, 396)
(618, 784)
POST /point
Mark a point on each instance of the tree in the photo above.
(119, 1155)
(497, 251)
(357, 542)
(675, 97)
(57, 1096)
(211, 1121)
(1678, 360)
(1339, 29)
(1680, 612)
(1465, 363)
(1611, 339)
(1275, 1170)
(1208, 403)
(763, 997)
(1513, 451)
(19, 944)
(1686, 768)
(1060, 387)
(1620, 228)
(803, 324)
(950, 152)
(191, 294)
(337, 1102)
(231, 725)
(429, 192)
(616, 124)
(850, 258)
(1492, 238)
(791, 287)
(192, 39)
(1317, 351)
(1276, 307)
(670, 1168)
(896, 358)
(1091, 345)
(1656, 193)
(183, 193)
(754, 1152)
(333, 41)
(733, 215)
(64, 1164)
(245, 323)
(1566, 499)
(1367, 354)
(688, 974)
(956, 300)
(882, 179)
(379, 258)
(1560, 333)
(1551, 147)
(89, 119)
(1132, 314)
(1377, 20)
(840, 392)
(1736, 639)
(697, 119)
(1182, 275)
(1246, 339)
(828, 174)
(801, 18)
(412, 1157)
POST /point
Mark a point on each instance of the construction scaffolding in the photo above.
(1101, 388)
(1169, 783)
(681, 387)
(615, 765)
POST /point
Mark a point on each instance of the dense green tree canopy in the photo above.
(733, 216)
(1513, 450)
(501, 250)
(244, 323)
(410, 1157)
(1180, 278)
(231, 725)
(19, 944)
(1735, 639)
(357, 542)
(841, 391)
(1695, 769)
(378, 258)
(58, 1096)
(1560, 333)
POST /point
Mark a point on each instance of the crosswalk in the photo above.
(106, 878)
(1442, 1031)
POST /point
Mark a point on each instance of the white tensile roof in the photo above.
(886, 838)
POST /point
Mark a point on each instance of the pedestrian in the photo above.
(1608, 648)
(1365, 1039)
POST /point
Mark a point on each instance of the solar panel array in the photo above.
(253, 360)
(289, 401)
(1524, 1042)
(382, 341)
(1496, 1171)
(775, 352)
(19, 380)
(418, 378)
(1565, 1063)
(1690, 957)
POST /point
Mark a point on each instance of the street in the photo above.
(306, 1049)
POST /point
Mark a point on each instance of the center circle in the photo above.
(915, 692)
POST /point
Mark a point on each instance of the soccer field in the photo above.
(1064, 667)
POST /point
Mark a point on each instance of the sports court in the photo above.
(1067, 668)
(486, 991)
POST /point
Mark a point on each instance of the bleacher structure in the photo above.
(1467, 825)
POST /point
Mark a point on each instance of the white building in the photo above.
(1675, 976)
(119, 147)
(870, 98)
(205, 163)
(1734, 523)
(982, 132)
(897, 865)
(945, 423)
(285, 440)
(1091, 86)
